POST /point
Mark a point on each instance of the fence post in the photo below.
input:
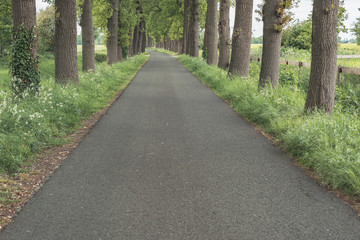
(339, 75)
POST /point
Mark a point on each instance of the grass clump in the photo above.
(330, 145)
(42, 121)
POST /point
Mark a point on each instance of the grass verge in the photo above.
(329, 145)
(37, 123)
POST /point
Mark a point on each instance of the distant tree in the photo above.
(224, 34)
(298, 35)
(257, 40)
(66, 67)
(356, 29)
(46, 29)
(321, 92)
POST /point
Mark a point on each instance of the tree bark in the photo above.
(130, 43)
(224, 34)
(66, 66)
(143, 38)
(135, 39)
(112, 40)
(211, 30)
(186, 26)
(119, 53)
(321, 92)
(25, 12)
(194, 41)
(88, 41)
(270, 63)
(241, 41)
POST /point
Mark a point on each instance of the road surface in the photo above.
(172, 161)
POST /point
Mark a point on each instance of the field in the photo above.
(305, 55)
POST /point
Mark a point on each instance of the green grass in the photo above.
(330, 145)
(36, 123)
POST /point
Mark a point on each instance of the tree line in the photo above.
(176, 25)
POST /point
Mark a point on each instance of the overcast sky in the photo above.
(301, 13)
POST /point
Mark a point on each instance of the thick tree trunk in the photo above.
(270, 63)
(112, 26)
(25, 12)
(211, 30)
(66, 66)
(194, 50)
(241, 41)
(224, 34)
(186, 26)
(321, 92)
(88, 42)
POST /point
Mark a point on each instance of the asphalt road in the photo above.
(170, 160)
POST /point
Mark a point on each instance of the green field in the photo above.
(305, 55)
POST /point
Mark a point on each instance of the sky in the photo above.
(301, 13)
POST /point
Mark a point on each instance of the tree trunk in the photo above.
(241, 41)
(112, 40)
(224, 34)
(143, 33)
(135, 39)
(186, 25)
(194, 50)
(211, 29)
(88, 41)
(66, 66)
(119, 53)
(130, 43)
(321, 92)
(270, 63)
(25, 12)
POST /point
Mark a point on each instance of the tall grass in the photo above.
(330, 145)
(36, 123)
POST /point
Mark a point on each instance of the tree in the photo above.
(88, 40)
(321, 92)
(241, 41)
(298, 35)
(356, 29)
(186, 26)
(194, 29)
(274, 16)
(46, 29)
(24, 69)
(112, 27)
(211, 32)
(5, 26)
(66, 68)
(224, 34)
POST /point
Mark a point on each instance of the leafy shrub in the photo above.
(100, 57)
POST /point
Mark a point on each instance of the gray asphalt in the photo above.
(170, 160)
